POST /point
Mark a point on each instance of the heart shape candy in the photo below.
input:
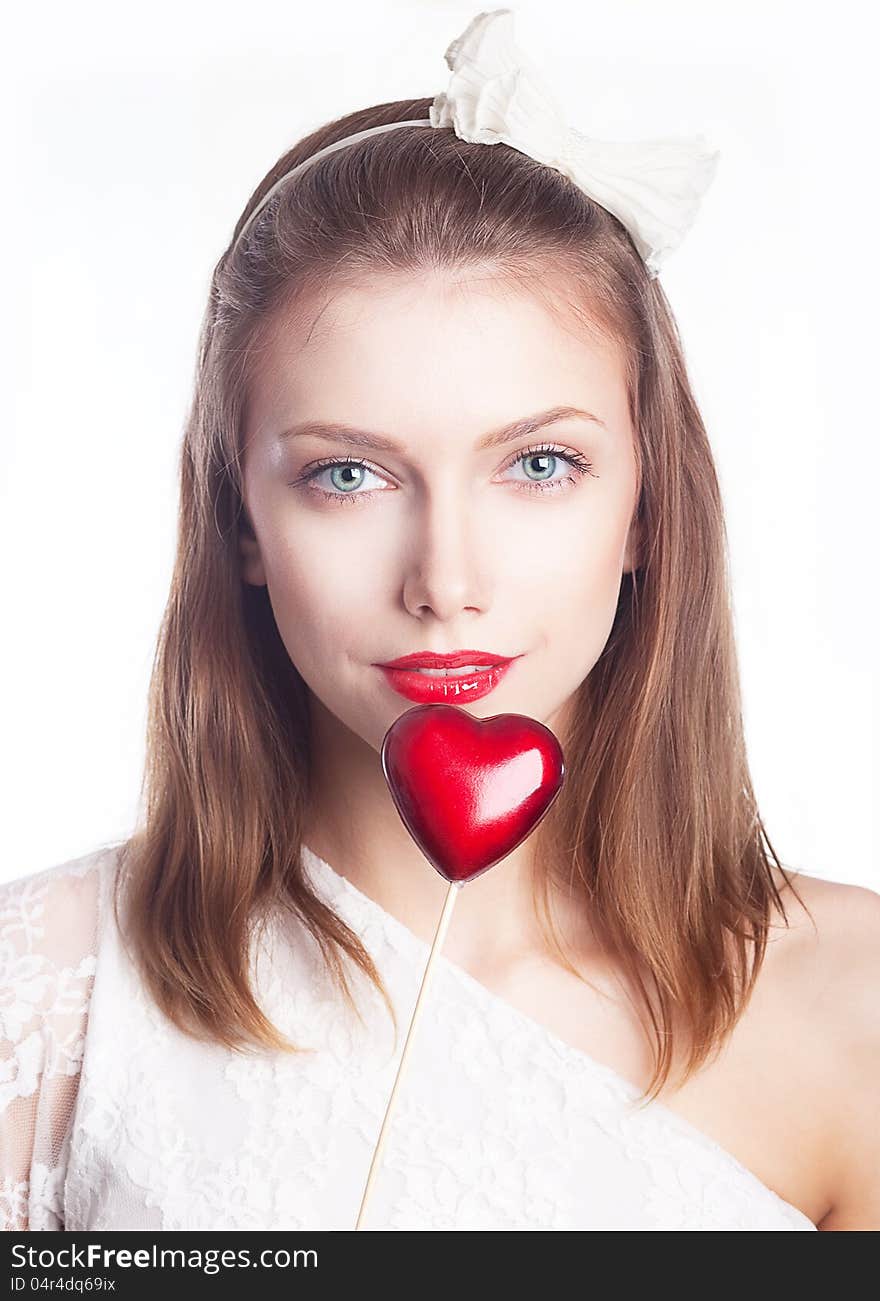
(470, 790)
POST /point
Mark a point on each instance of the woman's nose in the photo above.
(444, 562)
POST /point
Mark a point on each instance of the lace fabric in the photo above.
(48, 958)
(112, 1119)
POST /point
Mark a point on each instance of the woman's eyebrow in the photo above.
(335, 431)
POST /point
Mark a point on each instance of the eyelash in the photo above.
(579, 463)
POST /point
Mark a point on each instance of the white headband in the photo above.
(495, 96)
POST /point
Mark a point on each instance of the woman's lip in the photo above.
(453, 660)
(426, 689)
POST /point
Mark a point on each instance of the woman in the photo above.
(441, 406)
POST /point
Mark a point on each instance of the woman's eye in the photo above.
(345, 478)
(541, 465)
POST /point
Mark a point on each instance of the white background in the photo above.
(132, 139)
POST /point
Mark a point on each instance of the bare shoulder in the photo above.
(830, 930)
(828, 958)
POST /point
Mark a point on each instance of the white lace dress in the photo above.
(111, 1119)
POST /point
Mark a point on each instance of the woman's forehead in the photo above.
(397, 353)
(485, 298)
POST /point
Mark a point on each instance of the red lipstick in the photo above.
(459, 688)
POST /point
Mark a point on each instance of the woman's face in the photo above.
(438, 544)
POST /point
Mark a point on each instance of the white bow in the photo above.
(653, 187)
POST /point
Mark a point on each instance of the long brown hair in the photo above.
(657, 822)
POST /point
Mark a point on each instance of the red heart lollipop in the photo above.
(469, 790)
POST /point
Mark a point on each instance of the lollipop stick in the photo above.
(435, 949)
